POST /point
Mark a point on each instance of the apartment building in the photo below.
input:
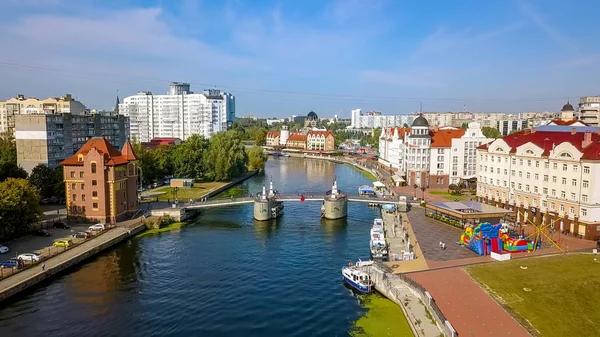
(320, 141)
(589, 110)
(374, 119)
(21, 105)
(432, 157)
(550, 175)
(273, 138)
(101, 182)
(50, 138)
(178, 114)
(297, 141)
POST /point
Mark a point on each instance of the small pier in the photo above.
(335, 204)
(266, 205)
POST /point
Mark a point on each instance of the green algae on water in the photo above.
(171, 227)
(383, 318)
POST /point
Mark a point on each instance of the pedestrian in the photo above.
(440, 244)
(43, 266)
(443, 246)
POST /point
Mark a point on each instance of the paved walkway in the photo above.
(55, 261)
(466, 305)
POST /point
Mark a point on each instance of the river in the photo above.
(223, 275)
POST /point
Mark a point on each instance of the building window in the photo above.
(583, 212)
(563, 194)
(72, 174)
(80, 174)
(555, 166)
(73, 186)
(545, 190)
(572, 196)
(574, 168)
(544, 203)
(564, 181)
(545, 177)
(535, 189)
(586, 183)
(528, 175)
(520, 174)
(562, 208)
(574, 182)
(546, 165)
(94, 194)
(565, 167)
(83, 197)
(520, 186)
(94, 182)
(505, 172)
(93, 167)
(536, 176)
(95, 206)
(584, 197)
(74, 197)
(537, 163)
(529, 163)
(83, 186)
(554, 179)
(553, 193)
(572, 210)
(551, 206)
(521, 162)
(586, 169)
(527, 188)
(512, 172)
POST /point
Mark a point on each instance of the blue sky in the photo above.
(288, 57)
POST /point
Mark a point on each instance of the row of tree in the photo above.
(222, 157)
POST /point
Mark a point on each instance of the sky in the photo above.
(290, 57)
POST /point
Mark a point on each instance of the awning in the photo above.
(378, 184)
(398, 178)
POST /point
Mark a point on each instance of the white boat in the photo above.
(378, 245)
(358, 279)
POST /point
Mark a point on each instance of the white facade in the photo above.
(373, 120)
(463, 152)
(179, 114)
(589, 110)
(391, 148)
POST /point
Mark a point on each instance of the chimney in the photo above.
(533, 130)
(587, 140)
(573, 131)
(436, 128)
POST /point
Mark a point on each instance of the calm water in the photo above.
(225, 275)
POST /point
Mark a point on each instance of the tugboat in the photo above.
(358, 279)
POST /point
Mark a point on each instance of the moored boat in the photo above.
(358, 279)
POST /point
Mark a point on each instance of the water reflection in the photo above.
(265, 229)
(333, 227)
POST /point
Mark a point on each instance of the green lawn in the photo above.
(384, 318)
(449, 196)
(554, 296)
(185, 194)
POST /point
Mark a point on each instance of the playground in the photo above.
(549, 296)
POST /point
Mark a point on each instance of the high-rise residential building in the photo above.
(589, 110)
(49, 138)
(178, 114)
(101, 182)
(374, 119)
(549, 175)
(21, 105)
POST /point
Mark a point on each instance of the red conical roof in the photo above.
(127, 151)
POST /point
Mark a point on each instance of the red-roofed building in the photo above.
(273, 138)
(101, 182)
(568, 122)
(296, 141)
(161, 141)
(317, 140)
(548, 176)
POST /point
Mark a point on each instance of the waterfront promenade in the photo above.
(27, 278)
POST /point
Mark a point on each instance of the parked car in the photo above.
(3, 249)
(29, 257)
(63, 243)
(81, 235)
(97, 227)
(12, 263)
(42, 232)
(60, 224)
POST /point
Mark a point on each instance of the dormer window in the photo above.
(80, 158)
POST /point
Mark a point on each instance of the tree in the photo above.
(256, 158)
(163, 163)
(415, 186)
(260, 137)
(226, 157)
(10, 169)
(8, 148)
(464, 126)
(59, 185)
(490, 132)
(452, 188)
(44, 179)
(19, 207)
(188, 157)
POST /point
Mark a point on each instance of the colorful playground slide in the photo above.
(487, 238)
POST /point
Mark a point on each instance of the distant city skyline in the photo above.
(283, 58)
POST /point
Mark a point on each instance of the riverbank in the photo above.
(28, 278)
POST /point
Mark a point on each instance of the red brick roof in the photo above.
(325, 133)
(112, 156)
(297, 137)
(389, 132)
(273, 134)
(548, 139)
(164, 139)
(443, 138)
(127, 151)
(567, 123)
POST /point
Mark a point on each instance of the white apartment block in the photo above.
(550, 175)
(178, 114)
(589, 110)
(374, 120)
(32, 106)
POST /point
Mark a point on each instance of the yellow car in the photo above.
(63, 243)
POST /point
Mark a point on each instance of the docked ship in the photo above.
(378, 243)
(357, 278)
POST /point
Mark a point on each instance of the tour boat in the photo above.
(366, 190)
(378, 244)
(358, 279)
